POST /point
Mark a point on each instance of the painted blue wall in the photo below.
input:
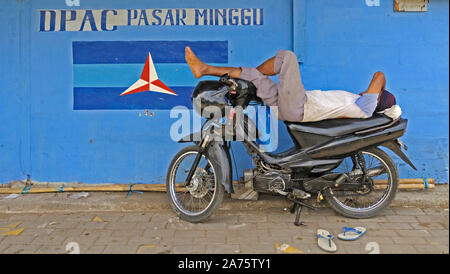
(340, 45)
(347, 41)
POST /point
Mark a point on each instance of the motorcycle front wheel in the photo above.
(204, 194)
(377, 190)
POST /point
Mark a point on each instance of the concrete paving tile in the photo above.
(52, 249)
(251, 218)
(96, 232)
(275, 232)
(242, 226)
(119, 225)
(402, 218)
(281, 217)
(189, 249)
(241, 238)
(431, 249)
(438, 240)
(154, 249)
(163, 233)
(222, 249)
(112, 240)
(140, 240)
(281, 225)
(212, 226)
(409, 240)
(432, 218)
(49, 240)
(134, 218)
(397, 249)
(377, 239)
(310, 239)
(420, 226)
(128, 232)
(20, 239)
(224, 218)
(216, 239)
(395, 225)
(409, 211)
(120, 249)
(95, 249)
(435, 211)
(413, 233)
(439, 232)
(383, 232)
(354, 248)
(257, 248)
(3, 247)
(21, 249)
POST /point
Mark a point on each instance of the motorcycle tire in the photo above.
(217, 199)
(363, 214)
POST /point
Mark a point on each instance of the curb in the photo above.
(157, 201)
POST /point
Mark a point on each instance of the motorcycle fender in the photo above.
(218, 153)
(396, 148)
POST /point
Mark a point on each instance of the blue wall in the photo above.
(340, 44)
(346, 42)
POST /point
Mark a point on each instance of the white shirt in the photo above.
(321, 105)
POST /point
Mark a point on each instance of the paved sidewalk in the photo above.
(156, 201)
(396, 230)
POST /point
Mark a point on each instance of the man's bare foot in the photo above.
(197, 66)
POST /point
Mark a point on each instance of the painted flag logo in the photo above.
(149, 81)
(106, 73)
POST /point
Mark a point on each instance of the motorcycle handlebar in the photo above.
(230, 82)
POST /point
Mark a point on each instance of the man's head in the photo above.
(385, 100)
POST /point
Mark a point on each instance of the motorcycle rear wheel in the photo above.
(350, 209)
(204, 196)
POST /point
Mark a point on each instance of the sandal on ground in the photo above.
(351, 234)
(325, 241)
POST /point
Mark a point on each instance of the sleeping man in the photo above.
(293, 102)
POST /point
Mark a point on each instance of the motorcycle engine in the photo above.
(269, 181)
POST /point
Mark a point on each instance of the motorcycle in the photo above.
(337, 160)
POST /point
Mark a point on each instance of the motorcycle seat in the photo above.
(339, 127)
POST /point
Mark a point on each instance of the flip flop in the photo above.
(325, 241)
(351, 234)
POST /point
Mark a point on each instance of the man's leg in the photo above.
(289, 95)
(200, 69)
(267, 89)
(267, 68)
(377, 84)
(369, 99)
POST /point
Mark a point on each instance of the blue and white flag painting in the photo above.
(105, 70)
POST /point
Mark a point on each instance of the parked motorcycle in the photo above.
(337, 160)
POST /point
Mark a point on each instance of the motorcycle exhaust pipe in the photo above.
(372, 172)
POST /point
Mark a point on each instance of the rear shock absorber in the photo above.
(362, 164)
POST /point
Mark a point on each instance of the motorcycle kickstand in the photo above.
(298, 206)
